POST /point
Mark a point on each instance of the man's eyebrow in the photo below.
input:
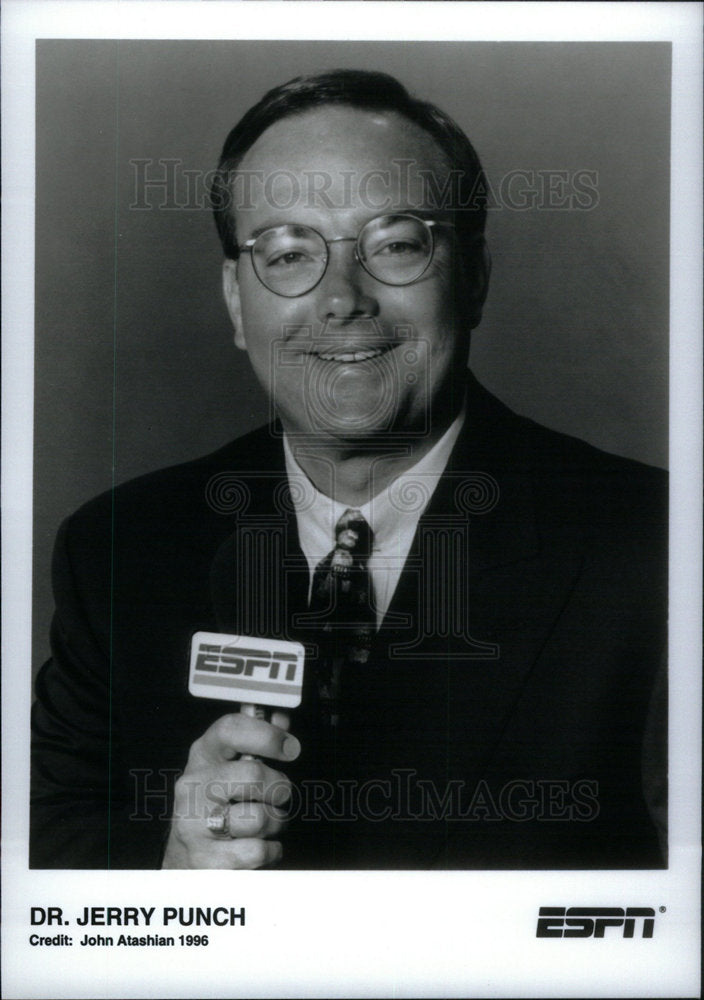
(421, 213)
(266, 226)
(261, 229)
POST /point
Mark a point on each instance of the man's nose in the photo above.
(344, 290)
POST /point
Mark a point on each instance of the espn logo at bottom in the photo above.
(246, 669)
(594, 921)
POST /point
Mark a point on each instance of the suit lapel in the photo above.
(485, 582)
(259, 576)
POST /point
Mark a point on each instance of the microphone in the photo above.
(257, 673)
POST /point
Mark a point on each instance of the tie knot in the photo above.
(353, 534)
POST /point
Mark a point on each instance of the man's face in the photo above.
(353, 358)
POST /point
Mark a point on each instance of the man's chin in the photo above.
(354, 429)
(341, 434)
(346, 415)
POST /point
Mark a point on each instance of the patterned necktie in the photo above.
(342, 598)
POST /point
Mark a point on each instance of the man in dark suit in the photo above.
(495, 698)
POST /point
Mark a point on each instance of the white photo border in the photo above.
(361, 933)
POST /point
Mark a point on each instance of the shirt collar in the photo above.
(397, 508)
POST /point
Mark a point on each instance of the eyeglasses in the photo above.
(291, 260)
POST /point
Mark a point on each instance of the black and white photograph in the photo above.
(359, 511)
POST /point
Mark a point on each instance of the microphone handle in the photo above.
(255, 712)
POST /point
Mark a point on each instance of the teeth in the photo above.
(351, 356)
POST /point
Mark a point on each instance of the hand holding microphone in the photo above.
(229, 804)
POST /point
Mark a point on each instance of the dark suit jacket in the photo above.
(510, 708)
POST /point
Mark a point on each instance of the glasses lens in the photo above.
(396, 249)
(289, 260)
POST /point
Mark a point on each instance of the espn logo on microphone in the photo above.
(246, 669)
(594, 921)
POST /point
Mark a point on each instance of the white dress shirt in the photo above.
(393, 515)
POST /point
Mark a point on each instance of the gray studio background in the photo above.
(135, 367)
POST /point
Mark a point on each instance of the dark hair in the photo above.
(360, 89)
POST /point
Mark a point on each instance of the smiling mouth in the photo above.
(347, 355)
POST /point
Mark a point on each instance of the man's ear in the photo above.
(477, 273)
(231, 291)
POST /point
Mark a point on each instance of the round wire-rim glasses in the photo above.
(395, 249)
